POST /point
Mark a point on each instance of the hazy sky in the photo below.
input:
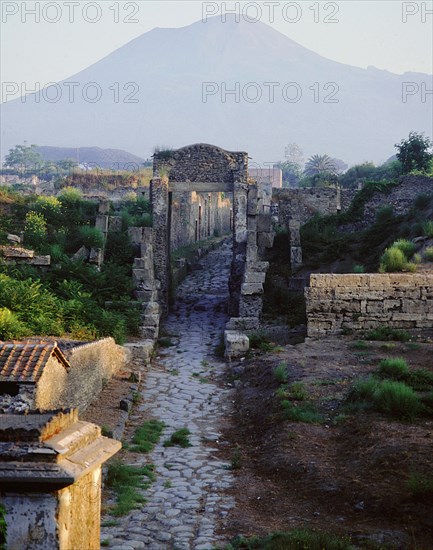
(390, 35)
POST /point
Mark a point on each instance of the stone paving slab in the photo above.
(187, 501)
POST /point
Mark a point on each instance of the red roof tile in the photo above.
(26, 362)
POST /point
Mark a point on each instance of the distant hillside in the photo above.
(114, 159)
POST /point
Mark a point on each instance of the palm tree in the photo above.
(320, 164)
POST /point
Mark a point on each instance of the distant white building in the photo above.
(272, 176)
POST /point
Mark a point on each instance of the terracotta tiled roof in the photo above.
(26, 362)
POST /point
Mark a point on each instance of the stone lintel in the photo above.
(200, 187)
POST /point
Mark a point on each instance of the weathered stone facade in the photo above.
(39, 376)
(199, 216)
(338, 303)
(199, 163)
(50, 480)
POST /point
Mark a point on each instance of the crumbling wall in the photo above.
(340, 303)
(199, 163)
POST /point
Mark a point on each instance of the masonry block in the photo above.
(236, 344)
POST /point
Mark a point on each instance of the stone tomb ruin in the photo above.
(41, 376)
(50, 480)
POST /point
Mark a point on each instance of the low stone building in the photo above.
(39, 375)
(50, 480)
(32, 376)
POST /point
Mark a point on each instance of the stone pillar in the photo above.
(159, 197)
(240, 238)
(50, 480)
(295, 244)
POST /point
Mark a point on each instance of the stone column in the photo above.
(160, 201)
(240, 238)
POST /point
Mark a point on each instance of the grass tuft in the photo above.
(147, 436)
(126, 481)
(280, 373)
(395, 368)
(301, 412)
(386, 334)
(298, 539)
(392, 398)
(180, 438)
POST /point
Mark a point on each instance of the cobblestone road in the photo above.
(184, 389)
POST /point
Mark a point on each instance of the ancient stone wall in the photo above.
(199, 163)
(92, 365)
(198, 216)
(340, 303)
(303, 204)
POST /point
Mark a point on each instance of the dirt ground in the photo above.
(347, 475)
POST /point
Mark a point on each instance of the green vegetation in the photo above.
(414, 153)
(397, 256)
(259, 340)
(386, 334)
(421, 486)
(326, 239)
(126, 481)
(301, 412)
(392, 398)
(236, 459)
(395, 368)
(3, 528)
(72, 297)
(147, 436)
(280, 373)
(298, 539)
(180, 438)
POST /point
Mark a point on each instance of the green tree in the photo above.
(23, 158)
(414, 152)
(320, 164)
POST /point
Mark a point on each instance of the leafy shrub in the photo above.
(50, 207)
(91, 237)
(394, 259)
(407, 247)
(35, 229)
(10, 327)
(358, 269)
(70, 195)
